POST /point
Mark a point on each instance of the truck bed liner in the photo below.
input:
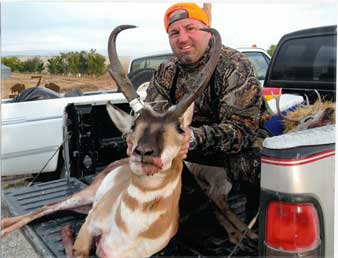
(44, 233)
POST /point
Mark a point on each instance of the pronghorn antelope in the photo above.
(135, 201)
(309, 116)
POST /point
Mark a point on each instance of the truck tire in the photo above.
(141, 76)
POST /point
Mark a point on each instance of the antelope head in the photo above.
(308, 116)
(156, 138)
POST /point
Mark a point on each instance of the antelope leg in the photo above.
(233, 233)
(83, 241)
(81, 198)
(231, 217)
(67, 240)
(73, 202)
(239, 224)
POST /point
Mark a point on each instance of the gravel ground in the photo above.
(15, 245)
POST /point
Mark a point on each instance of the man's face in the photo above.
(187, 42)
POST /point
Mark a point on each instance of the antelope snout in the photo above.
(144, 150)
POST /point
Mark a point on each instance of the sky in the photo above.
(50, 27)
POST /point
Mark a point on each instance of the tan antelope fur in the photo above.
(135, 211)
(134, 202)
(320, 113)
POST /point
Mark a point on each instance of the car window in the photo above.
(137, 64)
(148, 62)
(307, 60)
(260, 63)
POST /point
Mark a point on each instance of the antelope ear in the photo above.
(121, 119)
(187, 116)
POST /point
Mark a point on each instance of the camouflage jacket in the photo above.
(227, 115)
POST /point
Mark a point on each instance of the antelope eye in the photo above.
(132, 127)
(308, 119)
(179, 128)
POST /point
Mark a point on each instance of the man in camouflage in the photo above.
(225, 132)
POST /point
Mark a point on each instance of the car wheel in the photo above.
(141, 76)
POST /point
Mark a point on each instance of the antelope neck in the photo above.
(159, 180)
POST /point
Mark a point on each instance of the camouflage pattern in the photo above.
(227, 116)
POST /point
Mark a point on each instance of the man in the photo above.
(226, 123)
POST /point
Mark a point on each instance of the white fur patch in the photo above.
(74, 203)
(136, 167)
(148, 196)
(107, 183)
(119, 246)
(96, 227)
(168, 156)
(147, 247)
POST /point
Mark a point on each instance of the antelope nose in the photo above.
(144, 151)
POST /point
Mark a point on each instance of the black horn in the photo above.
(204, 76)
(117, 73)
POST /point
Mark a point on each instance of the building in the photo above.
(6, 72)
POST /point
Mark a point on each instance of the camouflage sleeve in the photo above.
(158, 92)
(239, 110)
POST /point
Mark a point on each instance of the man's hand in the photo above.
(130, 146)
(185, 145)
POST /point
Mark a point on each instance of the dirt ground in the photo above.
(66, 83)
(15, 245)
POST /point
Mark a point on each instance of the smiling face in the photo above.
(187, 42)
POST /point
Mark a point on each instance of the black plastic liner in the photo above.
(199, 233)
(44, 233)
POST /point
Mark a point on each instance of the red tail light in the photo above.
(292, 227)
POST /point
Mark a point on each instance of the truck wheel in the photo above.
(141, 76)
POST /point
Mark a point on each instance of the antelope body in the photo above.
(135, 210)
(135, 201)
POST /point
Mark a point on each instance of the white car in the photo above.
(32, 133)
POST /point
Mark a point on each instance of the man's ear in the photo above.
(121, 119)
(187, 116)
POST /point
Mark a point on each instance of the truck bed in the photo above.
(199, 233)
(44, 233)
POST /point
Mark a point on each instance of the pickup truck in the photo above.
(294, 199)
(33, 129)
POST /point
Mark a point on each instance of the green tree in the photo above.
(52, 65)
(96, 64)
(40, 67)
(55, 65)
(271, 49)
(64, 63)
(73, 61)
(13, 62)
(84, 62)
(32, 65)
